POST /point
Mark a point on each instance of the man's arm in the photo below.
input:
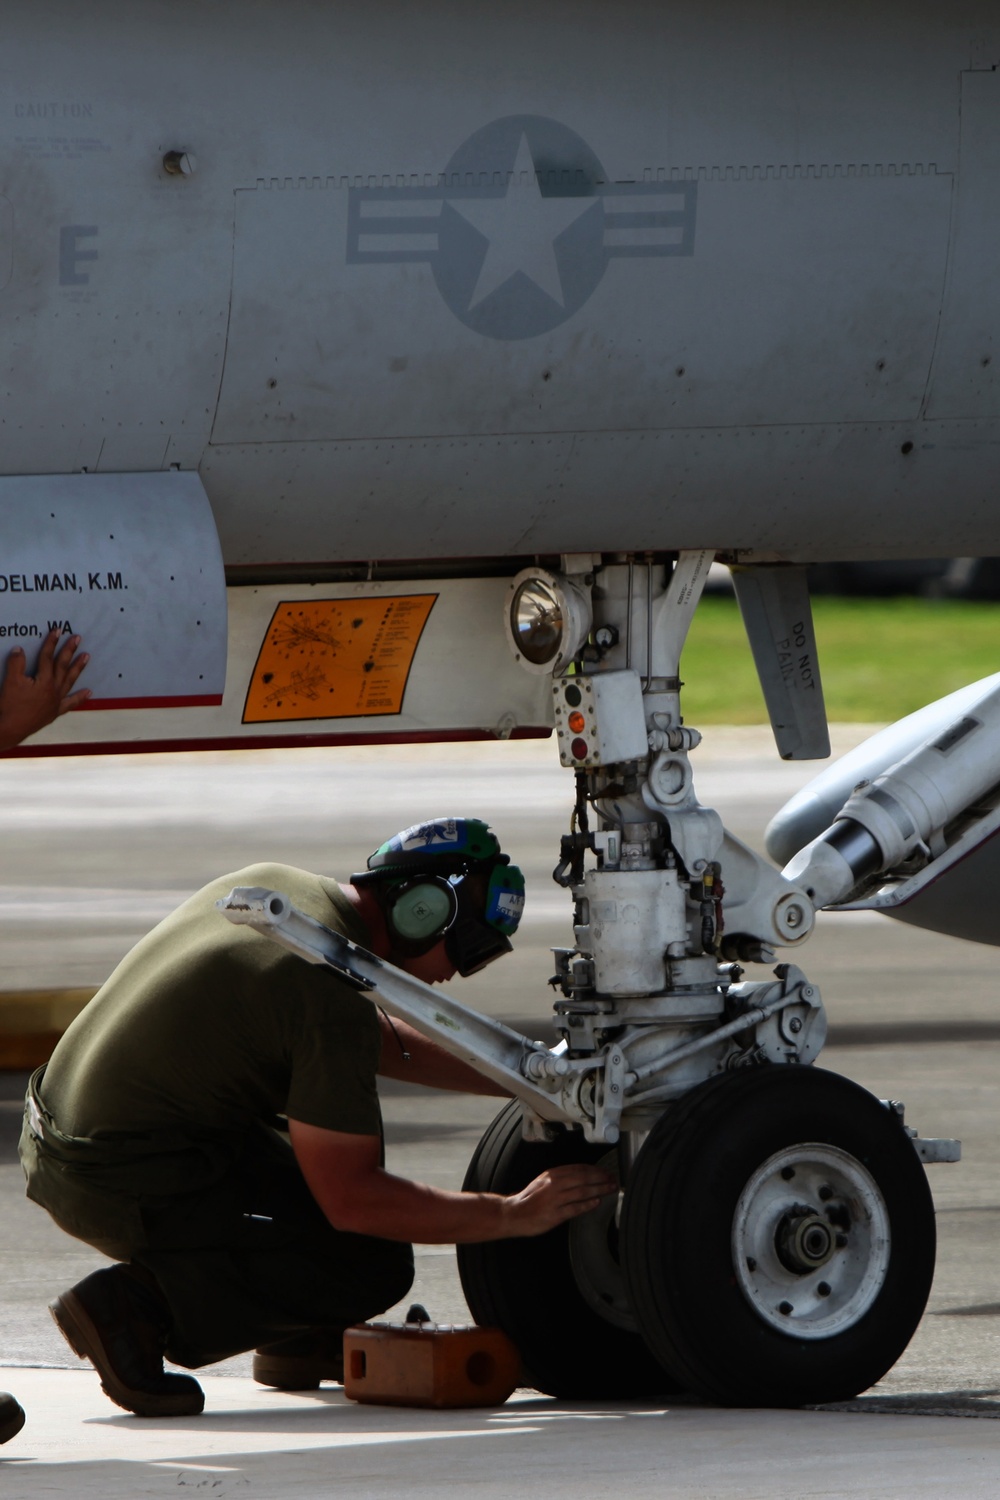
(27, 704)
(427, 1063)
(344, 1175)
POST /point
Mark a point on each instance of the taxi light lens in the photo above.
(547, 618)
(537, 622)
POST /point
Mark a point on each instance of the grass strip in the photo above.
(879, 658)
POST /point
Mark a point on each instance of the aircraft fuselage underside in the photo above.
(436, 282)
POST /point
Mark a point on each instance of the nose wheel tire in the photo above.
(778, 1238)
(545, 1292)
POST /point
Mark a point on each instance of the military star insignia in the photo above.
(521, 228)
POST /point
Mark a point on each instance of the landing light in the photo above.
(547, 618)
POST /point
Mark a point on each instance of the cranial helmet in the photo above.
(447, 878)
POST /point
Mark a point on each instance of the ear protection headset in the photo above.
(419, 911)
(447, 878)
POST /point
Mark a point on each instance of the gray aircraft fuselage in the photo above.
(449, 281)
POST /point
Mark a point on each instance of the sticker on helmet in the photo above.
(505, 899)
(510, 904)
(444, 834)
(449, 836)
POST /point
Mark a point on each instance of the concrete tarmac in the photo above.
(96, 850)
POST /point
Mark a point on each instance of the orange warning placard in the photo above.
(336, 658)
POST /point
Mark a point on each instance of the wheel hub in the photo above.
(810, 1240)
(804, 1241)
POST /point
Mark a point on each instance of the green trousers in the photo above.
(226, 1224)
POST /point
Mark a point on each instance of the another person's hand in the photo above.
(27, 703)
(554, 1196)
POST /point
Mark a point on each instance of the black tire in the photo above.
(527, 1286)
(713, 1322)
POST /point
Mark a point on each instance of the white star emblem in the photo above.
(521, 228)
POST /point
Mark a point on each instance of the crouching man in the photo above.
(211, 1122)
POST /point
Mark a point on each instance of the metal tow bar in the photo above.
(531, 1071)
(593, 1092)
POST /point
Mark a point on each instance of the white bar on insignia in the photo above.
(403, 243)
(399, 208)
(615, 238)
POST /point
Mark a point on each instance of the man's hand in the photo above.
(27, 704)
(355, 1192)
(559, 1194)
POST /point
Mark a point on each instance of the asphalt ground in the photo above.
(96, 850)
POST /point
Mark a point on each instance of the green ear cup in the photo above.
(422, 909)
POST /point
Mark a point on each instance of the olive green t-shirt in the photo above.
(210, 1026)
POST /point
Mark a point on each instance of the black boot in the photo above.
(121, 1324)
(11, 1417)
(302, 1361)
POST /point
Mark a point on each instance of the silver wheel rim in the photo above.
(810, 1241)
